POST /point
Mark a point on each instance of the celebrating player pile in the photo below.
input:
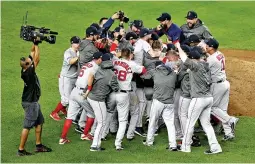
(115, 79)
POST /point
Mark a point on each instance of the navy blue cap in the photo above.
(185, 48)
(144, 32)
(138, 24)
(131, 35)
(106, 57)
(164, 16)
(170, 46)
(194, 54)
(92, 31)
(212, 43)
(117, 29)
(198, 49)
(154, 36)
(157, 63)
(97, 55)
(75, 40)
(99, 29)
(191, 15)
(194, 39)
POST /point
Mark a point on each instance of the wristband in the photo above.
(89, 88)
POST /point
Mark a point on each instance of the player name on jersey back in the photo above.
(86, 69)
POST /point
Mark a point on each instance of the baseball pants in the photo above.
(220, 92)
(100, 113)
(66, 86)
(177, 94)
(183, 112)
(148, 95)
(200, 108)
(134, 113)
(167, 111)
(123, 101)
(76, 102)
(82, 120)
(142, 105)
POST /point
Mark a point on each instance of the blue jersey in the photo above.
(173, 33)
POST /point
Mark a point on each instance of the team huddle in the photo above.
(111, 80)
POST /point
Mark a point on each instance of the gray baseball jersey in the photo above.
(164, 84)
(69, 70)
(199, 29)
(86, 51)
(140, 47)
(217, 66)
(200, 78)
(183, 79)
(105, 81)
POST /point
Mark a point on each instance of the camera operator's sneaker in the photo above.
(63, 141)
(42, 148)
(23, 153)
(55, 116)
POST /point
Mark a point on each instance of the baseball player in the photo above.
(124, 69)
(163, 98)
(220, 88)
(105, 81)
(84, 80)
(195, 26)
(201, 102)
(135, 26)
(67, 77)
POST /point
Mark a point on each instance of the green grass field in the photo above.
(230, 22)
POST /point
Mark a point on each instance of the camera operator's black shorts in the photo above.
(33, 114)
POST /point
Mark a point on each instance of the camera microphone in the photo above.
(53, 32)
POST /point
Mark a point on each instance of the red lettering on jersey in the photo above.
(220, 57)
(87, 65)
(124, 65)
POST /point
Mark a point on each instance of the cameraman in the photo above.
(30, 98)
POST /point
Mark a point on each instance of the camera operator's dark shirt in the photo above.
(32, 89)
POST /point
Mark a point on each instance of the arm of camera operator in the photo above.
(35, 54)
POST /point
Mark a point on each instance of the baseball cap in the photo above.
(97, 55)
(75, 40)
(157, 63)
(212, 43)
(154, 36)
(185, 48)
(131, 35)
(99, 29)
(117, 29)
(170, 46)
(164, 16)
(106, 57)
(144, 32)
(194, 54)
(138, 24)
(92, 31)
(191, 15)
(194, 39)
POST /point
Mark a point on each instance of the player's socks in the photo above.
(67, 125)
(64, 110)
(88, 125)
(58, 108)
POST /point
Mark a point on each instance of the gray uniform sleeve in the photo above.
(192, 65)
(149, 74)
(86, 54)
(114, 83)
(206, 34)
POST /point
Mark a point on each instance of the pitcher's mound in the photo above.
(240, 69)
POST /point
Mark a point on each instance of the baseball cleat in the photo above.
(87, 137)
(96, 149)
(228, 137)
(75, 122)
(119, 148)
(79, 129)
(63, 111)
(146, 144)
(55, 116)
(63, 141)
(233, 124)
(23, 153)
(42, 148)
(103, 139)
(209, 152)
(139, 131)
(171, 148)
